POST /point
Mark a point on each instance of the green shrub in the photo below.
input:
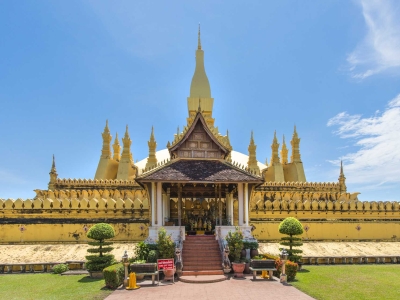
(99, 260)
(235, 244)
(153, 256)
(253, 245)
(165, 244)
(246, 244)
(290, 269)
(114, 275)
(143, 249)
(61, 268)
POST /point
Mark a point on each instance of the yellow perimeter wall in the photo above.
(333, 231)
(70, 233)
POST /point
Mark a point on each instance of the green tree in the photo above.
(99, 259)
(291, 227)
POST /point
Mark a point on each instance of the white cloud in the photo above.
(380, 49)
(377, 162)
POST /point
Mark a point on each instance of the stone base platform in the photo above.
(202, 278)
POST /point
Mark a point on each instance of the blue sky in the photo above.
(330, 67)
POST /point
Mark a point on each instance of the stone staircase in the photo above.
(201, 256)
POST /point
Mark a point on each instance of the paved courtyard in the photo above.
(229, 289)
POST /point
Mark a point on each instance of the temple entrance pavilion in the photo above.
(198, 194)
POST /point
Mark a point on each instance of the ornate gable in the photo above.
(198, 141)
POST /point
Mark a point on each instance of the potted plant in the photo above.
(253, 249)
(235, 244)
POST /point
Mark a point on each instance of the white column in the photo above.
(246, 204)
(153, 205)
(159, 205)
(240, 206)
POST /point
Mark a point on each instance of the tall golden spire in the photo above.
(106, 150)
(152, 159)
(117, 148)
(275, 149)
(252, 162)
(342, 179)
(200, 91)
(53, 175)
(284, 152)
(295, 142)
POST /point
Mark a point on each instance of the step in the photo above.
(200, 267)
(199, 260)
(202, 263)
(208, 243)
(202, 273)
(201, 253)
(200, 247)
(202, 278)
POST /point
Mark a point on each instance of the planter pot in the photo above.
(238, 268)
(247, 268)
(253, 252)
(169, 274)
(299, 266)
(226, 271)
(96, 274)
(139, 277)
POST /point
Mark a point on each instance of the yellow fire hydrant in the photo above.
(132, 282)
(264, 274)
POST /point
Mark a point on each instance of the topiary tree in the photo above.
(291, 227)
(99, 260)
(165, 244)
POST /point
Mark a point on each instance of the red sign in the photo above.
(165, 263)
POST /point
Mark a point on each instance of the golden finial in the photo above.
(198, 39)
(53, 166)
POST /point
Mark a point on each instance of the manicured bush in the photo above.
(99, 260)
(291, 227)
(114, 275)
(235, 244)
(165, 245)
(61, 268)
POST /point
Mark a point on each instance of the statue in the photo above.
(178, 263)
(226, 264)
(200, 223)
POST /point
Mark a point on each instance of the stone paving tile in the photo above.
(229, 289)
